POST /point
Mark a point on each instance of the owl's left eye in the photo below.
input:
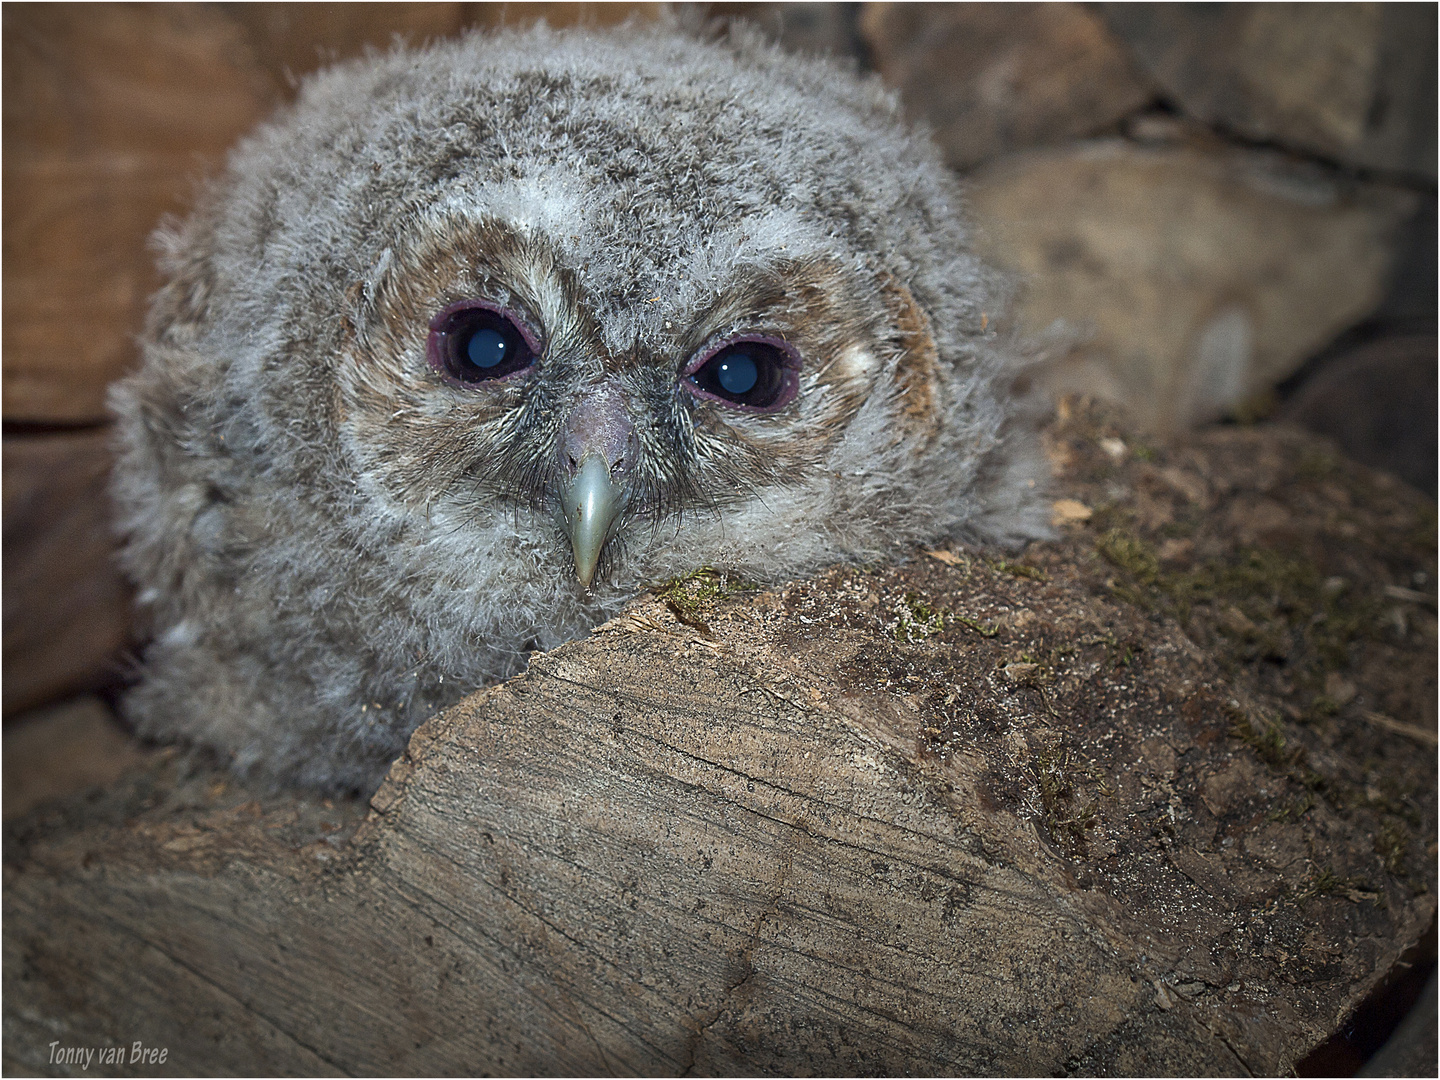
(755, 374)
(472, 342)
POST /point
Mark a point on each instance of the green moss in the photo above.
(1022, 570)
(1390, 844)
(915, 620)
(1183, 527)
(1057, 789)
(1110, 515)
(1422, 530)
(1316, 464)
(1252, 605)
(693, 596)
(1102, 783)
(1266, 604)
(1261, 583)
(1294, 810)
(1388, 797)
(983, 629)
(1130, 554)
(1256, 407)
(1058, 778)
(1118, 654)
(1266, 738)
(1028, 671)
(1327, 883)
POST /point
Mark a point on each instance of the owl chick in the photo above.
(472, 342)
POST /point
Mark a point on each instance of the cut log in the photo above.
(67, 607)
(974, 814)
(1353, 82)
(72, 746)
(1197, 277)
(991, 79)
(112, 114)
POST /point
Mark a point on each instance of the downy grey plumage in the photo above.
(339, 527)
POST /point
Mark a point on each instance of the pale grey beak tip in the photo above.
(591, 502)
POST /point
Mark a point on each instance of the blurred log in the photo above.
(993, 78)
(1195, 276)
(291, 40)
(67, 607)
(112, 113)
(67, 748)
(288, 41)
(968, 815)
(1352, 82)
(817, 27)
(1365, 398)
(492, 16)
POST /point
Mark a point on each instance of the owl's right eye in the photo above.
(472, 342)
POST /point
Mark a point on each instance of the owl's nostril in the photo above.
(601, 425)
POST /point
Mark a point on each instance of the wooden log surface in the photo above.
(67, 608)
(971, 814)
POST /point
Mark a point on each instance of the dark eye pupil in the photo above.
(478, 344)
(753, 374)
(737, 373)
(486, 348)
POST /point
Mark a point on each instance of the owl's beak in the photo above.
(591, 501)
(597, 448)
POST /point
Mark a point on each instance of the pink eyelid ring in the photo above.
(791, 366)
(442, 323)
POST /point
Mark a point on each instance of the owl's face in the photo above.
(479, 384)
(633, 304)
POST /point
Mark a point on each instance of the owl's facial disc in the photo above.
(597, 449)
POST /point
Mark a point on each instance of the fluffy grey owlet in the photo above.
(473, 342)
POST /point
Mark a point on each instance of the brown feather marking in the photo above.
(917, 372)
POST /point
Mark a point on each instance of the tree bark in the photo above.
(971, 814)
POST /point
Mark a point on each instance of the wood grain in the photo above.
(663, 851)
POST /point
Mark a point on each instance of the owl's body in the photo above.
(451, 295)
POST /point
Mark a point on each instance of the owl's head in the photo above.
(618, 305)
